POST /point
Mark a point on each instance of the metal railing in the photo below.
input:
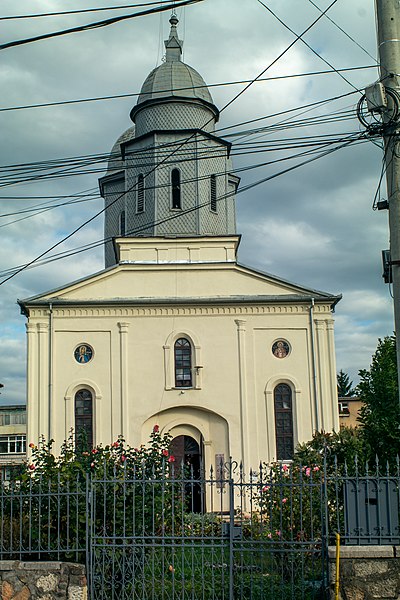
(228, 534)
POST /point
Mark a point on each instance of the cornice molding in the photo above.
(173, 310)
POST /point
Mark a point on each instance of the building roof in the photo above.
(173, 78)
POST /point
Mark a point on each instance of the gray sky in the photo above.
(314, 226)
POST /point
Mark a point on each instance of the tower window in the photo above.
(122, 223)
(140, 194)
(176, 188)
(283, 422)
(213, 193)
(183, 363)
(84, 418)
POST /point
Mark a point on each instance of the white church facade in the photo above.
(175, 331)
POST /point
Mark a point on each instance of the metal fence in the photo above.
(227, 535)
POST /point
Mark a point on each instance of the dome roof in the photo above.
(174, 78)
(115, 162)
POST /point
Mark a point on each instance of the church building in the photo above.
(175, 331)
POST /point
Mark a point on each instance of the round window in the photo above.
(280, 349)
(83, 353)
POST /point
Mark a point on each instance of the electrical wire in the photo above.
(40, 209)
(307, 44)
(9, 273)
(169, 90)
(95, 25)
(161, 162)
(346, 34)
(82, 10)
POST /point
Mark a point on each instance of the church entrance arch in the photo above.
(188, 452)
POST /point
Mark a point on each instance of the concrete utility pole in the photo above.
(388, 23)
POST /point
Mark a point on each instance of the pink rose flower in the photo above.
(284, 500)
(308, 471)
(156, 429)
(123, 458)
(171, 458)
(92, 465)
(285, 468)
(165, 452)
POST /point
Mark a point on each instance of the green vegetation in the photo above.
(344, 385)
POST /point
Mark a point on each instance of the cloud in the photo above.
(314, 225)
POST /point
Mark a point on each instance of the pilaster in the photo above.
(244, 431)
(123, 336)
(43, 378)
(32, 399)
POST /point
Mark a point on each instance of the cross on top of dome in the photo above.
(173, 45)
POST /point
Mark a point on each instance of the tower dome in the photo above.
(178, 83)
(170, 174)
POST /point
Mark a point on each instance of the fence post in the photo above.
(231, 528)
(88, 532)
(325, 524)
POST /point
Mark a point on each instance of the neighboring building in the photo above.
(349, 409)
(12, 439)
(175, 331)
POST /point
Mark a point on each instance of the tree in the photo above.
(380, 413)
(344, 385)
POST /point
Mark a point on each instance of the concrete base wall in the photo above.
(21, 580)
(366, 573)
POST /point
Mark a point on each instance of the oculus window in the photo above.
(280, 349)
(83, 353)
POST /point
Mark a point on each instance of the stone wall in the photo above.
(42, 581)
(366, 572)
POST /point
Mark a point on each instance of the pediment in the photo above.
(179, 283)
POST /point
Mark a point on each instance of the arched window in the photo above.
(213, 193)
(176, 188)
(283, 422)
(122, 223)
(84, 418)
(140, 194)
(183, 363)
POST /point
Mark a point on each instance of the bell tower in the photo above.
(170, 175)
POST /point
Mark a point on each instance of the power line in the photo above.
(166, 91)
(162, 161)
(298, 37)
(312, 148)
(97, 24)
(15, 270)
(83, 10)
(346, 33)
(243, 149)
(306, 43)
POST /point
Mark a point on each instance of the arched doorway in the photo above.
(187, 451)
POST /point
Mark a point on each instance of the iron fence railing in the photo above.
(228, 534)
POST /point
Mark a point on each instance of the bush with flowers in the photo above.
(136, 491)
(289, 502)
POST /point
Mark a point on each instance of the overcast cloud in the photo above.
(314, 226)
